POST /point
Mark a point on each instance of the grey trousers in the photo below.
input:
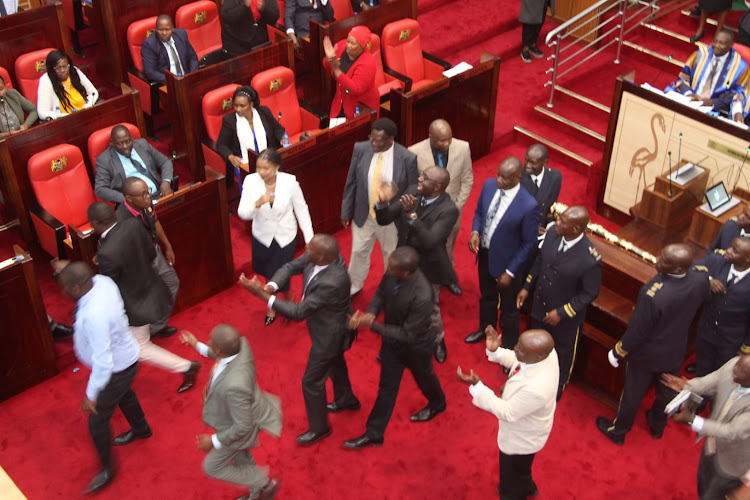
(169, 276)
(235, 466)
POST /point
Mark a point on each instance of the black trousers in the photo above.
(712, 484)
(710, 356)
(515, 476)
(565, 335)
(488, 302)
(530, 34)
(394, 357)
(116, 393)
(638, 379)
(319, 368)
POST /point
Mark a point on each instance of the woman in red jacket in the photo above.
(353, 68)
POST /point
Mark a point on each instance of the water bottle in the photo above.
(356, 111)
(58, 113)
(372, 3)
(285, 140)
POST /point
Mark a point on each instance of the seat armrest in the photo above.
(149, 91)
(50, 231)
(400, 76)
(311, 116)
(440, 62)
(434, 67)
(84, 244)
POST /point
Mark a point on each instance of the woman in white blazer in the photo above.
(274, 201)
(64, 88)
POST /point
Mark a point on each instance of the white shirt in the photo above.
(386, 173)
(102, 339)
(172, 63)
(714, 60)
(738, 275)
(105, 233)
(275, 287)
(508, 196)
(537, 179)
(569, 244)
(697, 424)
(11, 6)
(221, 364)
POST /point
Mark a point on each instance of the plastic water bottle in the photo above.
(58, 113)
(285, 140)
(372, 3)
(356, 111)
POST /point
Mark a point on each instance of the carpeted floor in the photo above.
(46, 449)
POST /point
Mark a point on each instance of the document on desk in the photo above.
(458, 68)
(682, 99)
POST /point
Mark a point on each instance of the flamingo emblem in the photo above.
(643, 156)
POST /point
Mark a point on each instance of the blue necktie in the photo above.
(441, 162)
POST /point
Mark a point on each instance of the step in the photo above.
(582, 98)
(585, 163)
(570, 123)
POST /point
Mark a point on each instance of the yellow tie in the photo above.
(376, 180)
(208, 384)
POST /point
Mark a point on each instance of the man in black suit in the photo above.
(244, 24)
(168, 48)
(378, 160)
(565, 278)
(299, 13)
(736, 226)
(405, 295)
(656, 339)
(424, 217)
(542, 182)
(125, 158)
(325, 305)
(126, 254)
(724, 326)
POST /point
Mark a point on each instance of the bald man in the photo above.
(565, 278)
(525, 408)
(443, 150)
(656, 339)
(236, 408)
(541, 181)
(424, 217)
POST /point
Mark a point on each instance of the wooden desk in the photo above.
(74, 129)
(28, 356)
(704, 227)
(669, 205)
(185, 95)
(31, 30)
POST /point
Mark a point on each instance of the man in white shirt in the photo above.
(168, 48)
(103, 342)
(526, 406)
(8, 7)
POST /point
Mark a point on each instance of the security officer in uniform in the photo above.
(736, 226)
(542, 182)
(565, 278)
(724, 327)
(656, 339)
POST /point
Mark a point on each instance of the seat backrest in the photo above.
(215, 105)
(743, 51)
(402, 48)
(100, 139)
(29, 68)
(201, 21)
(6, 76)
(342, 9)
(276, 90)
(61, 184)
(374, 47)
(137, 33)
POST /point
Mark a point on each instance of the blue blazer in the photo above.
(514, 241)
(156, 60)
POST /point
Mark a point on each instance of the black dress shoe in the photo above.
(167, 331)
(60, 331)
(130, 436)
(475, 337)
(603, 424)
(696, 37)
(455, 289)
(695, 11)
(655, 433)
(99, 482)
(533, 490)
(337, 408)
(189, 380)
(269, 320)
(361, 442)
(426, 414)
(310, 437)
(269, 490)
(440, 352)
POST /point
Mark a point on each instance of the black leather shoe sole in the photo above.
(474, 337)
(362, 442)
(99, 482)
(129, 437)
(603, 424)
(426, 414)
(311, 437)
(335, 408)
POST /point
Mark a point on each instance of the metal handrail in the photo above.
(552, 34)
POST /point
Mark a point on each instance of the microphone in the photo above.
(5, 113)
(679, 156)
(670, 173)
(740, 172)
(663, 67)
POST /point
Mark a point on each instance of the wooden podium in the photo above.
(704, 227)
(666, 211)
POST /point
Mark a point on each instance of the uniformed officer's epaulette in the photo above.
(720, 251)
(654, 288)
(595, 253)
(703, 269)
(529, 278)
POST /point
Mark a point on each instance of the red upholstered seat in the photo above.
(277, 91)
(384, 81)
(341, 9)
(215, 105)
(402, 51)
(137, 33)
(62, 188)
(201, 21)
(6, 76)
(29, 68)
(99, 141)
(743, 51)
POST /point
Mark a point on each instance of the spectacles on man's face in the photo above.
(144, 195)
(64, 67)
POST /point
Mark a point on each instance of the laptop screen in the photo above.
(717, 196)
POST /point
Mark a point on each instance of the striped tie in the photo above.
(207, 387)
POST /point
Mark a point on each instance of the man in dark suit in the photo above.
(406, 297)
(656, 339)
(168, 48)
(325, 305)
(378, 160)
(424, 217)
(125, 158)
(299, 13)
(244, 24)
(724, 326)
(541, 181)
(504, 237)
(126, 254)
(736, 226)
(565, 278)
(236, 408)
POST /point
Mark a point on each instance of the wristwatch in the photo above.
(412, 216)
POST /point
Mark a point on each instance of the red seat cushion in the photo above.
(402, 49)
(276, 90)
(137, 33)
(100, 139)
(215, 105)
(29, 68)
(201, 21)
(384, 82)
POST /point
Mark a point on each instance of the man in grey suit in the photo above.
(726, 454)
(236, 408)
(325, 304)
(298, 13)
(378, 160)
(125, 158)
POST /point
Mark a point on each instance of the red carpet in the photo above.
(46, 449)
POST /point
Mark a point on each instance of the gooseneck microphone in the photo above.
(670, 173)
(679, 155)
(5, 114)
